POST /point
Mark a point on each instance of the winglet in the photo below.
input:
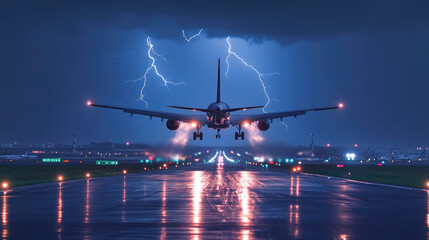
(218, 81)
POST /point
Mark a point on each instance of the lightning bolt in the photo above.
(287, 127)
(189, 39)
(153, 67)
(260, 75)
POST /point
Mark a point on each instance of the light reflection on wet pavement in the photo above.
(212, 202)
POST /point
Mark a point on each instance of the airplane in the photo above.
(217, 116)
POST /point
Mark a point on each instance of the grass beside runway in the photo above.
(21, 175)
(415, 176)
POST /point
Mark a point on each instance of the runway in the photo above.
(210, 201)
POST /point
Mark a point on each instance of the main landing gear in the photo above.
(198, 134)
(239, 134)
(218, 134)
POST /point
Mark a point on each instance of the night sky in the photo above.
(370, 55)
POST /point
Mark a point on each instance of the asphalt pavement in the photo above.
(214, 201)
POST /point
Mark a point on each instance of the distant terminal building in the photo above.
(103, 145)
(6, 145)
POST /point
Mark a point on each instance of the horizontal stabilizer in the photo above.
(189, 108)
(242, 109)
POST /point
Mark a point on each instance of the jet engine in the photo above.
(173, 124)
(263, 125)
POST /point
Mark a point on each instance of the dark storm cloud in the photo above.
(284, 21)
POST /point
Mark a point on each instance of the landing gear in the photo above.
(198, 134)
(218, 134)
(239, 134)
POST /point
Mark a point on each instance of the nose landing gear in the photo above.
(218, 134)
(239, 134)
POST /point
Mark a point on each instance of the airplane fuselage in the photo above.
(217, 116)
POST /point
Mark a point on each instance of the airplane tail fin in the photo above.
(218, 81)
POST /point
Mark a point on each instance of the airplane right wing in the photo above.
(190, 118)
(237, 120)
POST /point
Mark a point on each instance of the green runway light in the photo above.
(51, 160)
(104, 162)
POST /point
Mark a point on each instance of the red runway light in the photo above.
(299, 169)
(88, 175)
(124, 172)
(5, 185)
(60, 178)
(328, 145)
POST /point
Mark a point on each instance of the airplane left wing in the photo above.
(201, 119)
(240, 119)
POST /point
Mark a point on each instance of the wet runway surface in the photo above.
(207, 202)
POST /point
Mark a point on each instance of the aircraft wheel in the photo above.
(195, 136)
(201, 136)
(242, 136)
(236, 135)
